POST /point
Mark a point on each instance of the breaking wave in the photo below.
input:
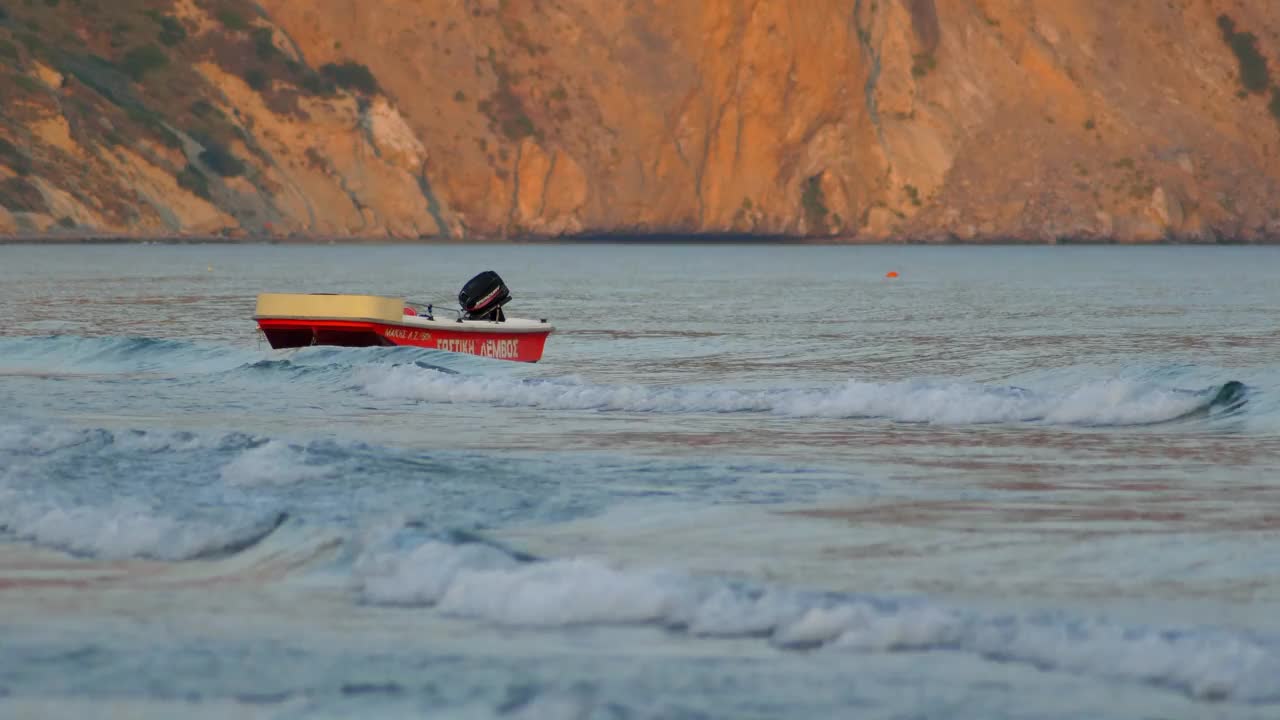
(1082, 397)
(486, 583)
(179, 496)
(127, 529)
(115, 494)
(275, 462)
(175, 495)
(1112, 402)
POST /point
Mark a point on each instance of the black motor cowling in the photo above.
(483, 296)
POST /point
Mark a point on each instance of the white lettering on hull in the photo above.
(501, 349)
(454, 345)
(402, 334)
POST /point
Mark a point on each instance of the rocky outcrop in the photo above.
(922, 120)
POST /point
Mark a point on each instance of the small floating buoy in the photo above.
(891, 274)
(210, 268)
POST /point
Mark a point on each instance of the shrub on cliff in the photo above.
(264, 44)
(913, 194)
(220, 160)
(29, 84)
(351, 76)
(194, 181)
(1254, 74)
(18, 195)
(11, 156)
(921, 64)
(505, 108)
(814, 203)
(256, 78)
(518, 125)
(171, 31)
(315, 84)
(232, 20)
(142, 60)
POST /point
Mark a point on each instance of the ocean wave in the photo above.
(74, 355)
(69, 355)
(21, 439)
(1081, 396)
(1107, 402)
(276, 462)
(220, 478)
(127, 529)
(117, 494)
(243, 459)
(40, 439)
(484, 583)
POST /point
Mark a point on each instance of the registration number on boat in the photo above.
(401, 334)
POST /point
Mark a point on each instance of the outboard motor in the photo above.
(483, 296)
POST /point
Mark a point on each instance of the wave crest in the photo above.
(483, 583)
(1111, 402)
(127, 529)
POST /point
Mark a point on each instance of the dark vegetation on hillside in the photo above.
(1255, 75)
(814, 203)
(351, 76)
(20, 195)
(504, 108)
(14, 158)
(130, 78)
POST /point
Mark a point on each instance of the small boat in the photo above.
(479, 327)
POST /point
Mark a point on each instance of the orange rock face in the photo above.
(932, 120)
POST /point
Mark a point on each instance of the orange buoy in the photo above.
(891, 274)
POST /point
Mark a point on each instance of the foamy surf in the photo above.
(1096, 399)
(127, 529)
(484, 583)
(275, 462)
(1106, 402)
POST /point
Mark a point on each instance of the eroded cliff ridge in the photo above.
(934, 120)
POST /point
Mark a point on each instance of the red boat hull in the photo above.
(525, 346)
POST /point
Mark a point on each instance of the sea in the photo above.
(745, 481)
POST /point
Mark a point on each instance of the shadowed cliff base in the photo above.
(679, 238)
(725, 239)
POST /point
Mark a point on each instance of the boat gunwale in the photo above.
(518, 326)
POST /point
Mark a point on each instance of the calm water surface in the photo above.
(745, 482)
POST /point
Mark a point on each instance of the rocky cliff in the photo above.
(935, 120)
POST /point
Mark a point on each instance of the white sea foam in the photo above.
(124, 529)
(154, 442)
(1105, 402)
(1120, 402)
(482, 582)
(728, 612)
(39, 440)
(423, 576)
(564, 592)
(43, 440)
(273, 463)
